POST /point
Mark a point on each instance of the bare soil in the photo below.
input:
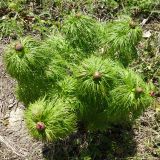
(15, 143)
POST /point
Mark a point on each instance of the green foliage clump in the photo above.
(130, 97)
(26, 62)
(94, 79)
(111, 95)
(56, 119)
(21, 58)
(82, 31)
(65, 87)
(121, 37)
(58, 48)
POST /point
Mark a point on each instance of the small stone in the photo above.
(10, 106)
(11, 101)
(147, 34)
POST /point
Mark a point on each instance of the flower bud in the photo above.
(19, 47)
(139, 90)
(97, 76)
(40, 126)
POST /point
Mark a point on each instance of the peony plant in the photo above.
(74, 77)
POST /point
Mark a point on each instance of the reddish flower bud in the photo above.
(152, 93)
(19, 47)
(40, 126)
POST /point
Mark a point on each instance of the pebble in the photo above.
(11, 101)
(10, 106)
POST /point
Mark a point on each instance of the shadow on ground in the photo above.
(117, 143)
